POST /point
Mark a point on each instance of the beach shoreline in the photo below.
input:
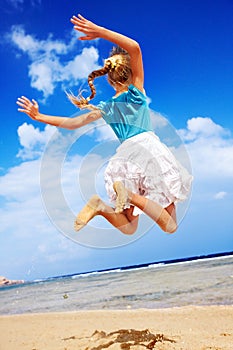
(186, 328)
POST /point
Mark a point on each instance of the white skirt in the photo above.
(147, 167)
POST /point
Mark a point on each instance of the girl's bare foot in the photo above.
(91, 209)
(122, 196)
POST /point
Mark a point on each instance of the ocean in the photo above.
(204, 281)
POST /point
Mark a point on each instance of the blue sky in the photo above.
(188, 55)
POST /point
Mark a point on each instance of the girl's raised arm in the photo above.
(92, 31)
(31, 108)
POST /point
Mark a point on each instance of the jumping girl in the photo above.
(143, 173)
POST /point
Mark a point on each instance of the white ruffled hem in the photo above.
(147, 167)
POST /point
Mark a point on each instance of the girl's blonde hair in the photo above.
(117, 66)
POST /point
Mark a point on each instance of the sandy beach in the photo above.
(186, 328)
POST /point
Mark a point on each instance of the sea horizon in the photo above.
(135, 266)
(202, 280)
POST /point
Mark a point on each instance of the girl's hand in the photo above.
(28, 107)
(90, 29)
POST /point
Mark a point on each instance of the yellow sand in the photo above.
(184, 328)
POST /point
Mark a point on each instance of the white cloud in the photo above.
(79, 67)
(18, 185)
(50, 63)
(201, 127)
(29, 136)
(41, 75)
(210, 148)
(33, 140)
(220, 195)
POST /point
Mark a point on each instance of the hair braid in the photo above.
(95, 74)
(82, 102)
(118, 68)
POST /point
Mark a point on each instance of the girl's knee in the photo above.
(128, 229)
(167, 224)
(171, 227)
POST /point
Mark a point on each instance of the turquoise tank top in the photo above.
(127, 114)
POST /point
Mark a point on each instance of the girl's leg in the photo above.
(126, 222)
(164, 217)
(171, 209)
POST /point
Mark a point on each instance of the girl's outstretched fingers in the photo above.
(31, 108)
(83, 25)
(78, 19)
